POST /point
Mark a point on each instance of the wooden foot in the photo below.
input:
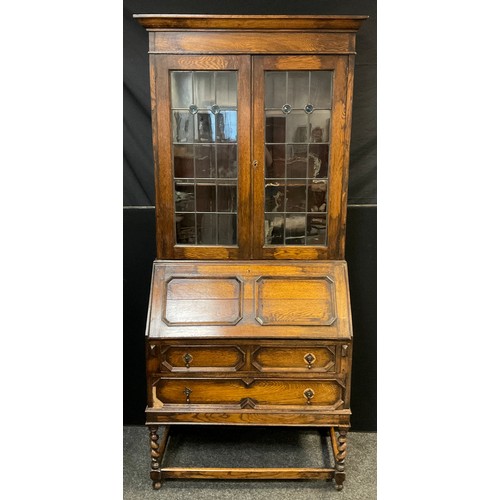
(339, 444)
(339, 480)
(156, 485)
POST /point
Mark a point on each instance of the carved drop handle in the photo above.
(309, 358)
(187, 391)
(309, 394)
(187, 359)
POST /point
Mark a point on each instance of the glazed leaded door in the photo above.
(202, 111)
(299, 149)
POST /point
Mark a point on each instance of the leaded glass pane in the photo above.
(298, 106)
(205, 156)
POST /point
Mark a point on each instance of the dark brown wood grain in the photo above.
(270, 417)
(312, 50)
(293, 313)
(249, 22)
(246, 473)
(249, 334)
(238, 42)
(337, 185)
(264, 391)
(202, 358)
(165, 234)
(291, 359)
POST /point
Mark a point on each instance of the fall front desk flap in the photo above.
(249, 299)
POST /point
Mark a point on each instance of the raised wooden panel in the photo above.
(203, 301)
(202, 358)
(295, 301)
(294, 359)
(277, 299)
(248, 394)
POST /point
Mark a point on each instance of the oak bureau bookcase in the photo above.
(249, 319)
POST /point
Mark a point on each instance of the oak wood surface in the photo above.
(245, 42)
(161, 65)
(293, 314)
(232, 391)
(233, 341)
(246, 473)
(337, 186)
(271, 417)
(215, 50)
(203, 358)
(250, 22)
(249, 358)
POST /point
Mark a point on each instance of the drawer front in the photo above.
(202, 358)
(295, 359)
(248, 393)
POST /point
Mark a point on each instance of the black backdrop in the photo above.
(138, 197)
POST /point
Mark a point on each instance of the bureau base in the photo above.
(338, 438)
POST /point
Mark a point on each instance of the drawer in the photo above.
(201, 358)
(295, 358)
(247, 393)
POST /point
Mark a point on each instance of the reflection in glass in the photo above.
(296, 127)
(205, 127)
(205, 156)
(296, 161)
(225, 88)
(227, 197)
(183, 126)
(274, 229)
(204, 88)
(316, 230)
(226, 226)
(275, 85)
(296, 196)
(207, 229)
(275, 161)
(184, 197)
(298, 88)
(295, 229)
(275, 196)
(205, 166)
(320, 126)
(226, 126)
(318, 160)
(205, 197)
(316, 196)
(227, 161)
(182, 88)
(297, 154)
(320, 93)
(275, 126)
(185, 229)
(183, 161)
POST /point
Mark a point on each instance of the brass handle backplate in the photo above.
(187, 391)
(309, 358)
(187, 359)
(309, 394)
